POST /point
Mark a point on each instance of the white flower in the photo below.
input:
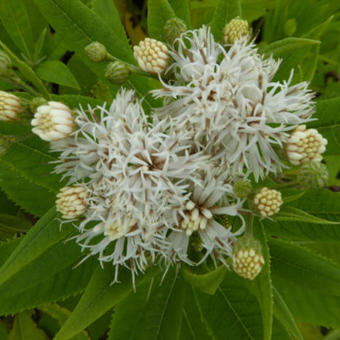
(10, 106)
(151, 55)
(71, 201)
(229, 103)
(305, 145)
(138, 175)
(213, 196)
(53, 121)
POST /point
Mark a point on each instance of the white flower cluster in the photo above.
(160, 187)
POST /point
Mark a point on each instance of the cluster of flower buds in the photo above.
(71, 201)
(235, 29)
(117, 72)
(247, 257)
(268, 201)
(10, 106)
(53, 121)
(242, 188)
(305, 145)
(96, 52)
(312, 175)
(173, 28)
(151, 55)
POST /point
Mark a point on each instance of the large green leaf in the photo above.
(284, 315)
(42, 236)
(16, 157)
(159, 12)
(14, 128)
(54, 71)
(153, 312)
(233, 311)
(15, 19)
(100, 296)
(24, 328)
(182, 10)
(225, 11)
(31, 197)
(296, 264)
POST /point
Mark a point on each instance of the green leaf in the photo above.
(301, 266)
(285, 45)
(79, 26)
(182, 10)
(107, 11)
(65, 283)
(100, 296)
(14, 224)
(284, 315)
(192, 326)
(159, 12)
(24, 328)
(225, 11)
(43, 235)
(263, 284)
(31, 197)
(16, 157)
(232, 311)
(328, 123)
(26, 71)
(16, 21)
(294, 214)
(54, 71)
(14, 128)
(153, 312)
(74, 100)
(61, 314)
(3, 331)
(208, 282)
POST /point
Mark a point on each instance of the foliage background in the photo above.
(41, 291)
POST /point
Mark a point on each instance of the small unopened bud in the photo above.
(242, 188)
(10, 106)
(173, 28)
(305, 145)
(96, 52)
(268, 201)
(71, 201)
(36, 102)
(151, 55)
(53, 121)
(5, 64)
(117, 72)
(247, 257)
(235, 29)
(312, 175)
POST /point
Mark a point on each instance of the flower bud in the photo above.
(268, 201)
(173, 28)
(96, 52)
(305, 145)
(235, 29)
(312, 175)
(5, 64)
(10, 106)
(53, 121)
(247, 257)
(36, 102)
(242, 188)
(117, 72)
(71, 201)
(151, 55)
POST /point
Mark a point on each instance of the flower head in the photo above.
(53, 121)
(10, 106)
(229, 103)
(268, 201)
(235, 29)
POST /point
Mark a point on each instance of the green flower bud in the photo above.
(36, 102)
(173, 28)
(247, 257)
(117, 72)
(235, 29)
(312, 175)
(5, 64)
(96, 52)
(242, 188)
